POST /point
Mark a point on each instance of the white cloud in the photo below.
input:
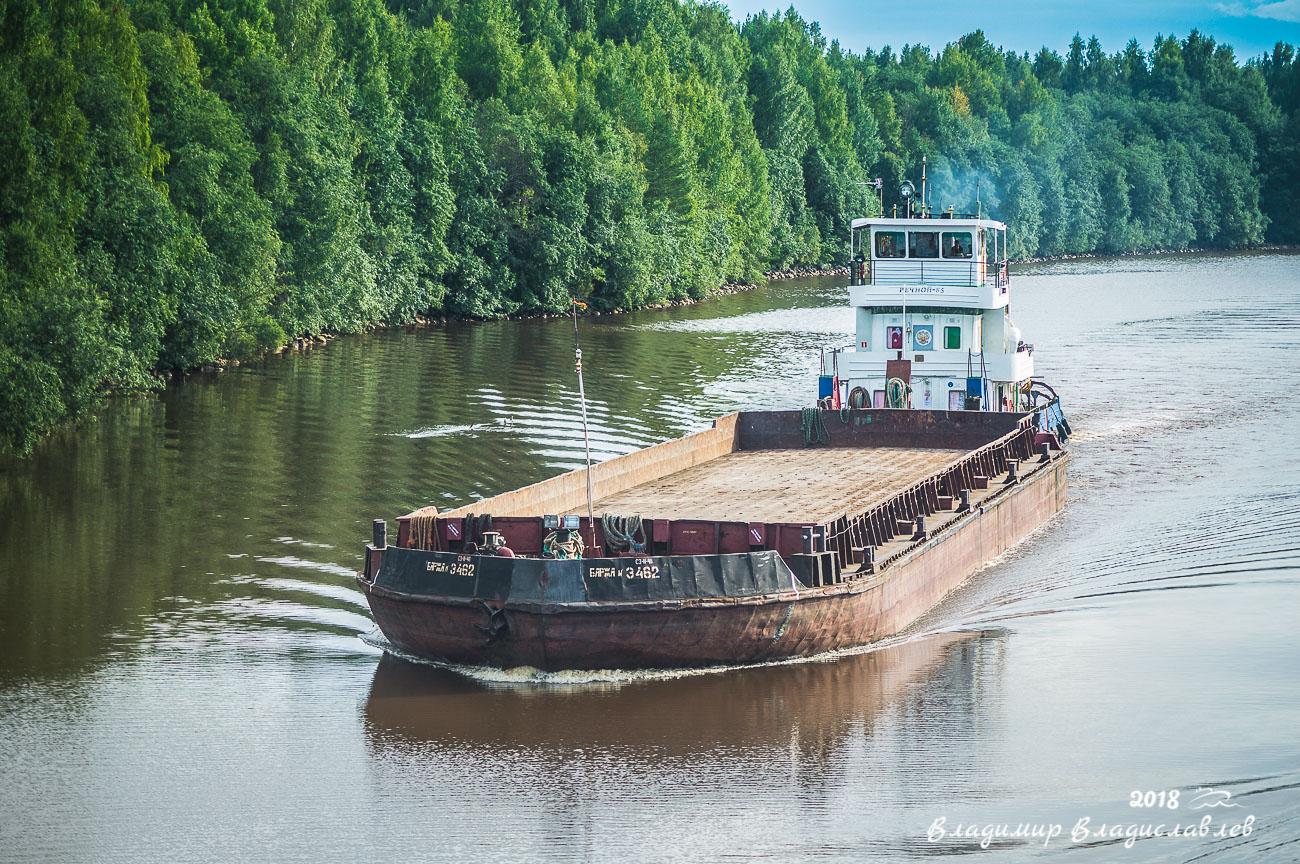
(1278, 10)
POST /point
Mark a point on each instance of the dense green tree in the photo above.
(187, 180)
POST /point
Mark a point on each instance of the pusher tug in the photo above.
(773, 534)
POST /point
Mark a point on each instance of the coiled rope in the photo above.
(897, 393)
(620, 533)
(813, 427)
(424, 529)
(563, 544)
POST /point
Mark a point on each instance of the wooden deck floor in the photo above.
(811, 485)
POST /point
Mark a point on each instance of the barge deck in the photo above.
(781, 485)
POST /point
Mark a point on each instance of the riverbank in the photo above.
(1092, 256)
(308, 342)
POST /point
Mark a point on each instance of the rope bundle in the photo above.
(620, 533)
(563, 544)
(813, 427)
(424, 529)
(475, 526)
(897, 393)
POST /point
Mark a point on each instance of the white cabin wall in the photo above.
(867, 340)
(994, 337)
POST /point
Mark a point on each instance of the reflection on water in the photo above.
(182, 673)
(799, 706)
(616, 766)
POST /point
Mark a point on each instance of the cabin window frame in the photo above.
(911, 245)
(945, 242)
(899, 237)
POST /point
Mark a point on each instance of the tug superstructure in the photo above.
(933, 328)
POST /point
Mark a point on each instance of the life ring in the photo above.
(858, 397)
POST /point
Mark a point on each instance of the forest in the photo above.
(186, 180)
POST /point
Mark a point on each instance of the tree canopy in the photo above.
(193, 179)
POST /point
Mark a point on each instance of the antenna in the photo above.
(586, 439)
(979, 207)
(925, 207)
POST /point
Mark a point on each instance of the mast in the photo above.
(586, 438)
(925, 207)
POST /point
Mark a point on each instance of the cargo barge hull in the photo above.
(848, 556)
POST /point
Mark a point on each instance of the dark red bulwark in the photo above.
(816, 551)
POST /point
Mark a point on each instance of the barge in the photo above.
(751, 547)
(773, 534)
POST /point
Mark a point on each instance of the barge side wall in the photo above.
(567, 493)
(879, 427)
(920, 581)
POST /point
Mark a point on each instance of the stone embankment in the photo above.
(807, 271)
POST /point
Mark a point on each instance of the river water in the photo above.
(187, 672)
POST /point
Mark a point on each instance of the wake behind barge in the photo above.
(735, 545)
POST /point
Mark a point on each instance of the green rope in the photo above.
(897, 393)
(813, 427)
(844, 414)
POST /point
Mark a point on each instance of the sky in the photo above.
(1251, 27)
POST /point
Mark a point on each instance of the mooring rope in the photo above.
(620, 533)
(424, 529)
(897, 392)
(563, 544)
(813, 427)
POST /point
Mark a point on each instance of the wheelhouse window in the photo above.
(923, 244)
(889, 244)
(956, 244)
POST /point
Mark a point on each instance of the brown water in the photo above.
(183, 673)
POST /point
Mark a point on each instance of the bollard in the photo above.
(1012, 465)
(808, 542)
(965, 501)
(920, 529)
(380, 539)
(1047, 452)
(821, 539)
